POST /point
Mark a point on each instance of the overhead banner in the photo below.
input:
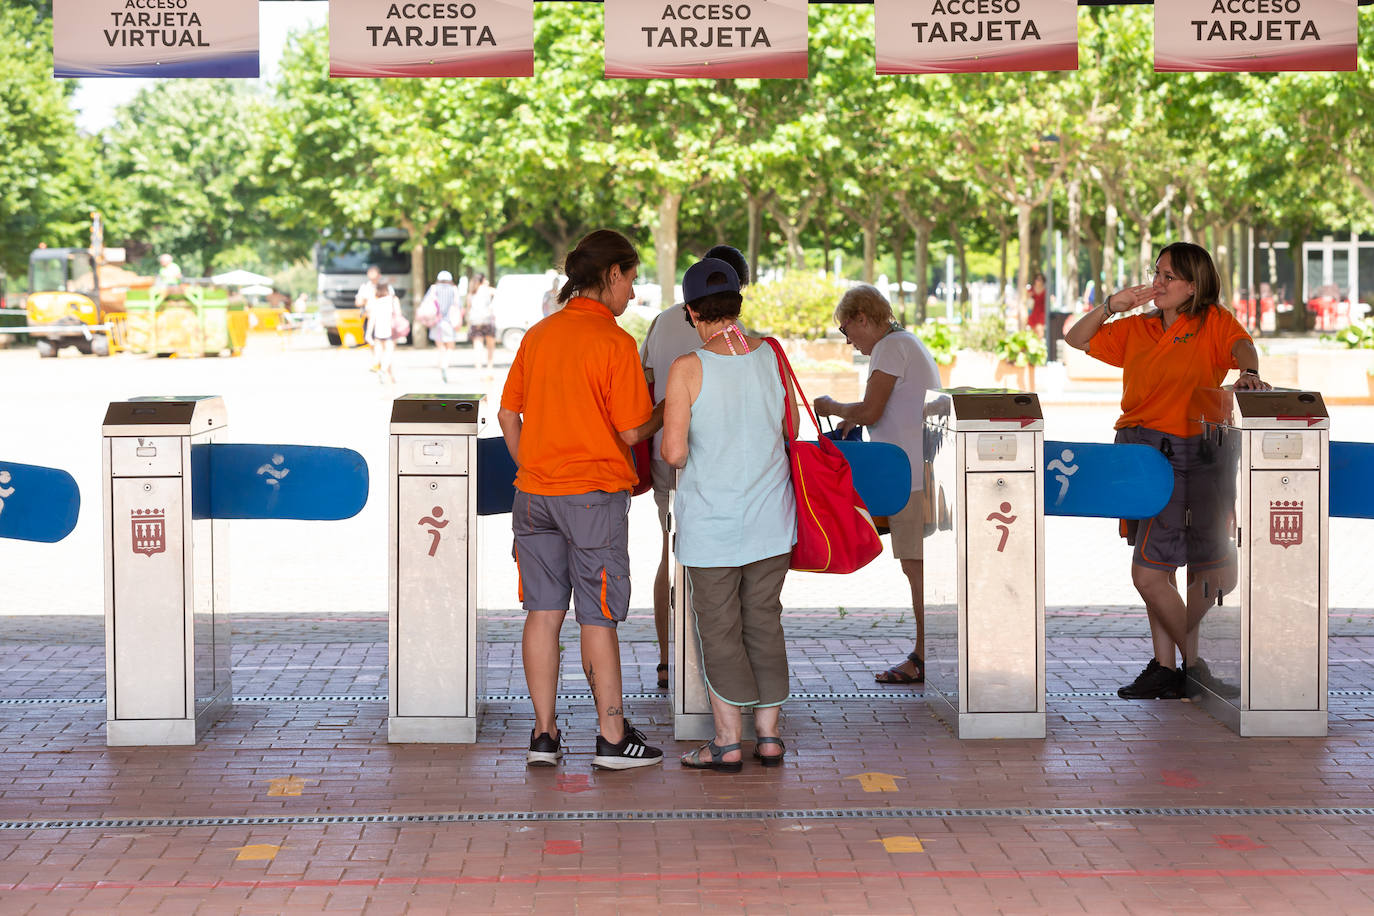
(143, 38)
(471, 38)
(1259, 36)
(656, 38)
(976, 36)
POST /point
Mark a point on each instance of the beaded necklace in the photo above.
(725, 332)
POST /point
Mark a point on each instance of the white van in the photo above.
(518, 304)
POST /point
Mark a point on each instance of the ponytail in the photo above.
(588, 264)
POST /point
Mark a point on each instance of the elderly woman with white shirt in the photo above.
(723, 425)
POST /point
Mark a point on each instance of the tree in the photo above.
(49, 174)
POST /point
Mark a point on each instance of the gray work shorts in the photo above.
(574, 547)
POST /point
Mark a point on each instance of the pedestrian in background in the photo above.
(573, 405)
(671, 334)
(383, 320)
(900, 372)
(442, 311)
(737, 516)
(1185, 344)
(481, 318)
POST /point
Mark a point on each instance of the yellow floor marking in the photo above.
(287, 785)
(258, 852)
(877, 782)
(901, 844)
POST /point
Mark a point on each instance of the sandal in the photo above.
(662, 676)
(895, 674)
(693, 761)
(770, 760)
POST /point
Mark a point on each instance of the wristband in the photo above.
(1254, 372)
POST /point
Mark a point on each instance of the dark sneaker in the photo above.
(545, 750)
(631, 752)
(1156, 682)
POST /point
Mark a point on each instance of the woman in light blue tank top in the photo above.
(736, 515)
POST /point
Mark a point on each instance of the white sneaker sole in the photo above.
(624, 763)
(543, 758)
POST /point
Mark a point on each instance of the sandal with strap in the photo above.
(662, 675)
(895, 674)
(693, 761)
(770, 760)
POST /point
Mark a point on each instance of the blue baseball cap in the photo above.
(694, 285)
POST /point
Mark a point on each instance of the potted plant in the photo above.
(939, 340)
(1018, 354)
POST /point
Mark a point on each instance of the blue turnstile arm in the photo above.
(37, 503)
(303, 482)
(1352, 470)
(1102, 480)
(495, 476)
(881, 472)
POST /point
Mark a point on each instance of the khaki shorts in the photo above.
(662, 473)
(908, 528)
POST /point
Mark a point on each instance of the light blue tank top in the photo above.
(734, 499)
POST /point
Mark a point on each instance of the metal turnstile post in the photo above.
(167, 665)
(985, 563)
(1260, 663)
(435, 660)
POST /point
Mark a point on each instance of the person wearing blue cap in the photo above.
(737, 517)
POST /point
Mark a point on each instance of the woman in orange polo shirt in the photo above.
(1185, 343)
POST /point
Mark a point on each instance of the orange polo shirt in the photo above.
(1161, 370)
(578, 383)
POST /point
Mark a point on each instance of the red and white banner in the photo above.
(162, 38)
(1262, 36)
(658, 38)
(443, 38)
(976, 36)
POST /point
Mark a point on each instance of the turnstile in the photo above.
(1260, 663)
(436, 666)
(985, 562)
(167, 665)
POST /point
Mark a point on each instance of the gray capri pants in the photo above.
(738, 616)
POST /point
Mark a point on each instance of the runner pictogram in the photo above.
(1002, 516)
(149, 531)
(1066, 468)
(274, 475)
(5, 491)
(1285, 522)
(435, 532)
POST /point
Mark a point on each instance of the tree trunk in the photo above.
(665, 243)
(961, 259)
(1071, 245)
(1003, 246)
(1297, 237)
(899, 255)
(1109, 252)
(922, 245)
(792, 228)
(1221, 253)
(489, 248)
(755, 207)
(870, 231)
(1024, 213)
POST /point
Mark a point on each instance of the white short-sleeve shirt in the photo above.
(669, 337)
(902, 355)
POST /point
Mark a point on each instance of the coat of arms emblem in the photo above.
(1285, 522)
(149, 531)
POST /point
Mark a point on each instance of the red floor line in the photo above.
(668, 877)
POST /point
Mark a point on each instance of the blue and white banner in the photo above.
(155, 38)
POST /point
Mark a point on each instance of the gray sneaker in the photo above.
(545, 749)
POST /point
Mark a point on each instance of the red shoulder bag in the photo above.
(835, 532)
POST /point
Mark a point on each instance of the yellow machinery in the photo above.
(66, 307)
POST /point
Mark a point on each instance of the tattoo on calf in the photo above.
(614, 711)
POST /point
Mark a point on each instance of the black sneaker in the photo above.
(1156, 682)
(631, 752)
(545, 750)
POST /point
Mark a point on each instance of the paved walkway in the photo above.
(294, 802)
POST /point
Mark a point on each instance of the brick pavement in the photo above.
(1167, 798)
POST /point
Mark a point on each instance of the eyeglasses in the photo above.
(843, 329)
(1165, 275)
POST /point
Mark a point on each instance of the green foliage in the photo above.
(1022, 348)
(637, 326)
(939, 340)
(1359, 336)
(49, 173)
(801, 304)
(984, 334)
